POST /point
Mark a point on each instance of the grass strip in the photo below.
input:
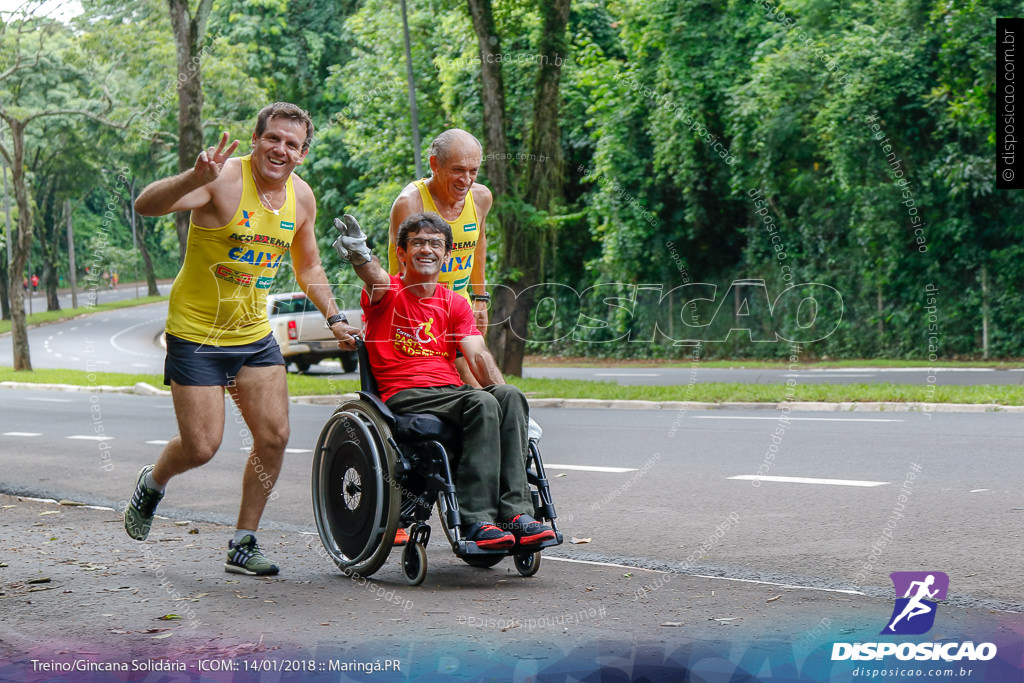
(711, 392)
(45, 317)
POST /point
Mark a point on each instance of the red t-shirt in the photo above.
(411, 341)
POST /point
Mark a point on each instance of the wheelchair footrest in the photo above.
(466, 548)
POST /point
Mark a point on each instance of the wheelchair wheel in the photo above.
(355, 499)
(414, 563)
(527, 564)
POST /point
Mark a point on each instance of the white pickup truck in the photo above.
(302, 335)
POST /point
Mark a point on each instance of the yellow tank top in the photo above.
(465, 233)
(220, 294)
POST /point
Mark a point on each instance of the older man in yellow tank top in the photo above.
(452, 192)
(246, 213)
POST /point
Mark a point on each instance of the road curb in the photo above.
(144, 389)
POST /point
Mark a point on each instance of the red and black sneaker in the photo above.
(489, 537)
(527, 530)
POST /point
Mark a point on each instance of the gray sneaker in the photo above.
(247, 558)
(138, 516)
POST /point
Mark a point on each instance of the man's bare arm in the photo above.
(480, 360)
(407, 203)
(188, 190)
(309, 271)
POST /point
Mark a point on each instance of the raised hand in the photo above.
(211, 160)
(351, 242)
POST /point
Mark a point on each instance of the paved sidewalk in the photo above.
(74, 588)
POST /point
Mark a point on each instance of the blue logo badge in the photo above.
(914, 612)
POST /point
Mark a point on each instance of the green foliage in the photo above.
(865, 130)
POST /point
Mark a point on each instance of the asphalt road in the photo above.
(126, 340)
(959, 476)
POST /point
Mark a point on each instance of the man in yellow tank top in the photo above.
(452, 192)
(246, 213)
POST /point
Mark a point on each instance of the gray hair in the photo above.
(440, 145)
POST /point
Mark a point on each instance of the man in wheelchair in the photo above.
(413, 326)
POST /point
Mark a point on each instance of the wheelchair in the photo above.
(375, 471)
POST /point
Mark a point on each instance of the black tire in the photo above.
(302, 366)
(349, 362)
(527, 564)
(355, 501)
(483, 561)
(414, 563)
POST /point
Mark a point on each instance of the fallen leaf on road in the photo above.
(723, 618)
(93, 567)
(773, 599)
(49, 512)
(627, 575)
(3, 564)
(163, 635)
(70, 503)
(579, 540)
(181, 522)
(40, 580)
(193, 531)
(155, 630)
(169, 617)
(673, 623)
(560, 474)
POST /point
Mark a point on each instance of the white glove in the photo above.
(351, 243)
(534, 430)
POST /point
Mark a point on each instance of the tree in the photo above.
(34, 50)
(520, 236)
(189, 34)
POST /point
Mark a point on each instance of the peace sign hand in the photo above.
(211, 160)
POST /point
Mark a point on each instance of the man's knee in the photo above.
(509, 396)
(272, 438)
(199, 449)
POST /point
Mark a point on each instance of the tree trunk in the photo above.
(189, 32)
(20, 248)
(50, 242)
(492, 88)
(147, 262)
(5, 298)
(521, 242)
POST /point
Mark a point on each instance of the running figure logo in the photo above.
(914, 613)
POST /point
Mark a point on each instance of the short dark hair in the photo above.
(285, 110)
(425, 221)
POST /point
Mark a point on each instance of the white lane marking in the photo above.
(809, 480)
(22, 434)
(794, 419)
(50, 400)
(627, 374)
(158, 442)
(706, 576)
(113, 339)
(140, 365)
(811, 374)
(287, 450)
(590, 468)
(978, 490)
(89, 437)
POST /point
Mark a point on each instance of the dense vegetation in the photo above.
(702, 143)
